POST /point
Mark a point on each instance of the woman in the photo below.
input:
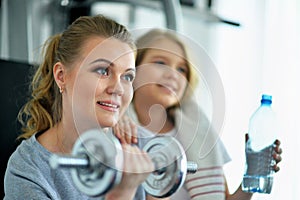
(164, 103)
(84, 81)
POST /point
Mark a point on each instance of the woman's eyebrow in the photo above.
(110, 63)
(131, 69)
(102, 60)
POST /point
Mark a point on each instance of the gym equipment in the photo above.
(96, 164)
(171, 166)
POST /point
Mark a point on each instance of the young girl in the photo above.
(164, 103)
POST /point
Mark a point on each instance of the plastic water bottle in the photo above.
(259, 171)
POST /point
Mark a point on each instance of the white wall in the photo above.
(260, 56)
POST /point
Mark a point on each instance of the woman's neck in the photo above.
(57, 139)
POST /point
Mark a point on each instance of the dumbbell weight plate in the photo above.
(105, 159)
(168, 155)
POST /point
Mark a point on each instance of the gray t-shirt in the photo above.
(29, 176)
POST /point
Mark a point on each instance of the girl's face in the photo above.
(99, 87)
(162, 74)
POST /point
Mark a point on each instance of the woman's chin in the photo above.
(108, 123)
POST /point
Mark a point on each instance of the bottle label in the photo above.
(261, 162)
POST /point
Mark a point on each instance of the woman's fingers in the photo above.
(138, 161)
(137, 166)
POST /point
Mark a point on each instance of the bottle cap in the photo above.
(266, 99)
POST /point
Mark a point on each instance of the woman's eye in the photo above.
(103, 71)
(129, 77)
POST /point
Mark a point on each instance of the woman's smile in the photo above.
(109, 106)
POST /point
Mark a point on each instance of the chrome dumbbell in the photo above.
(95, 163)
(97, 160)
(171, 166)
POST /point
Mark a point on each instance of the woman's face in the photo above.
(162, 74)
(99, 87)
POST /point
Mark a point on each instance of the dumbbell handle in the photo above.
(191, 167)
(83, 162)
(68, 161)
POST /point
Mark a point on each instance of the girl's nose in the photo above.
(171, 73)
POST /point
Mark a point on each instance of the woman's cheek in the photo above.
(128, 94)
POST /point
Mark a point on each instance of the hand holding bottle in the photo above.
(276, 155)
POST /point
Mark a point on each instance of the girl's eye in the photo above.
(129, 77)
(159, 62)
(182, 70)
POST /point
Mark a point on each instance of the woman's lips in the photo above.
(109, 106)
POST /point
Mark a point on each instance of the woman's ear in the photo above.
(59, 75)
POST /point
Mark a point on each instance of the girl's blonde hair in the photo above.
(44, 109)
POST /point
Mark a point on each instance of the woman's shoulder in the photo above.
(28, 155)
(28, 168)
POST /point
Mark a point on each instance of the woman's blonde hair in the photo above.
(144, 43)
(44, 109)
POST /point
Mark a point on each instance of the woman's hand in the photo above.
(126, 130)
(137, 167)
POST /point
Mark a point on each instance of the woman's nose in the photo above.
(115, 86)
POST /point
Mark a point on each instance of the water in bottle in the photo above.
(259, 171)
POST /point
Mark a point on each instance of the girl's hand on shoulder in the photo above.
(126, 130)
